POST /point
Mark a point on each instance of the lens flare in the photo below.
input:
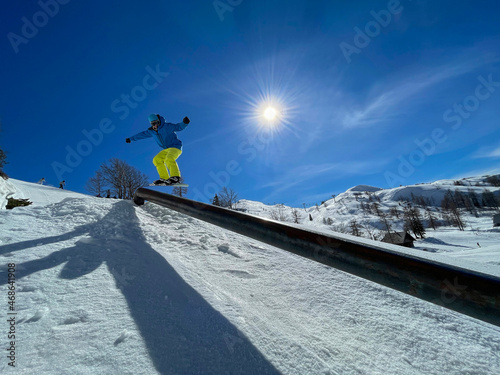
(270, 98)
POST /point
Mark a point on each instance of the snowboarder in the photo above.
(165, 135)
(41, 181)
(61, 184)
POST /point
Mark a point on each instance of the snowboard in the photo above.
(173, 185)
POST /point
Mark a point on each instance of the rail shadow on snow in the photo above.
(183, 333)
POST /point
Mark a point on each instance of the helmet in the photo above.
(153, 117)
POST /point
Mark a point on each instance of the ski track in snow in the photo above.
(105, 287)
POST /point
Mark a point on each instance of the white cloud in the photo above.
(494, 153)
(485, 153)
(390, 97)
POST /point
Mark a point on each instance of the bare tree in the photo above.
(340, 228)
(120, 177)
(385, 220)
(355, 228)
(296, 216)
(375, 208)
(180, 191)
(114, 175)
(372, 233)
(227, 197)
(133, 180)
(96, 184)
(327, 221)
(413, 221)
(451, 211)
(433, 223)
(394, 212)
(278, 213)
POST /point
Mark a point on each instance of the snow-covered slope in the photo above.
(37, 194)
(478, 242)
(7, 190)
(105, 287)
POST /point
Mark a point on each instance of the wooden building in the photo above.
(496, 220)
(399, 238)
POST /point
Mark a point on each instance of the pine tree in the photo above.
(3, 161)
(215, 200)
(3, 158)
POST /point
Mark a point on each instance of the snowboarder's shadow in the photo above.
(183, 333)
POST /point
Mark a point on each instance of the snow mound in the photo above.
(7, 190)
(38, 194)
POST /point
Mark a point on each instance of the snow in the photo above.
(106, 287)
(7, 190)
(364, 188)
(477, 247)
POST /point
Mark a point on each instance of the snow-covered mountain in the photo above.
(101, 286)
(479, 241)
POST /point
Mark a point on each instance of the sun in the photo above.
(270, 113)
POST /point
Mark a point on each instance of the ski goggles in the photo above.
(155, 123)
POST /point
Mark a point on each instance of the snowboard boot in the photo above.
(173, 180)
(161, 181)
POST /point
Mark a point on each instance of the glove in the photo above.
(127, 140)
(186, 120)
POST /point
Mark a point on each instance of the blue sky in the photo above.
(380, 93)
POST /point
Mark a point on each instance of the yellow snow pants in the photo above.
(167, 159)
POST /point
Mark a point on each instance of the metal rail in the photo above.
(466, 291)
